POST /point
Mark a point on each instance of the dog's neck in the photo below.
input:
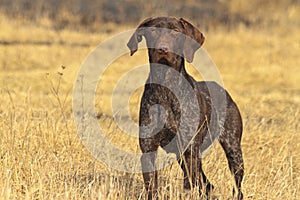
(181, 70)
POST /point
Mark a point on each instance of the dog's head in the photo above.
(168, 40)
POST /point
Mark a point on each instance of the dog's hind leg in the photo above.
(193, 173)
(233, 151)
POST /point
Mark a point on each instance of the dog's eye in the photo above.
(175, 32)
(153, 31)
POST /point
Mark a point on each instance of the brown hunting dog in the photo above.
(179, 114)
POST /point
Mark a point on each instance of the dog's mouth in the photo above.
(163, 61)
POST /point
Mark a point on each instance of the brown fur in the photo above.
(217, 115)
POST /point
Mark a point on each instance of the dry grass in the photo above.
(42, 156)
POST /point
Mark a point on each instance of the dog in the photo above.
(178, 113)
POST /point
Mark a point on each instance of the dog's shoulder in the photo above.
(210, 88)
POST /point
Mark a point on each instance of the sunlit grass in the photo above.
(42, 156)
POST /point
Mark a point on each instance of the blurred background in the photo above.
(93, 14)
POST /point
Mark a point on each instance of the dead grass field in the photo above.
(42, 156)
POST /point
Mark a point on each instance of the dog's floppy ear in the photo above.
(137, 36)
(193, 41)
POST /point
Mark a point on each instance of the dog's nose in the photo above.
(163, 48)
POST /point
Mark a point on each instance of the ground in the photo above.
(42, 156)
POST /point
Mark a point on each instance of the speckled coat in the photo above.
(181, 115)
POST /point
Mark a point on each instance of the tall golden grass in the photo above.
(42, 156)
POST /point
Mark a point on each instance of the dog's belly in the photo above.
(169, 141)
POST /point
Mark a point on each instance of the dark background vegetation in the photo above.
(92, 14)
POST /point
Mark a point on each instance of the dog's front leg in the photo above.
(151, 122)
(149, 174)
(149, 148)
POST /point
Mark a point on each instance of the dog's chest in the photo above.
(177, 109)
